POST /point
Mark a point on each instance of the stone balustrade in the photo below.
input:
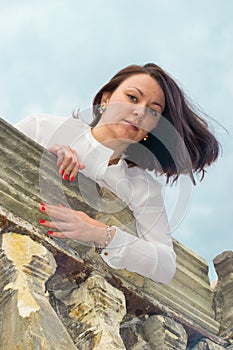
(60, 294)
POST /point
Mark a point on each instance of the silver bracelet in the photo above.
(99, 248)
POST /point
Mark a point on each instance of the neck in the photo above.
(113, 161)
(110, 142)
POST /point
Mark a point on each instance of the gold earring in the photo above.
(145, 137)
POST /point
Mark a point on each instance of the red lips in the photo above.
(133, 126)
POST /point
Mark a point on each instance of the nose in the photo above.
(139, 113)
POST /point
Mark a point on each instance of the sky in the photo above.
(55, 55)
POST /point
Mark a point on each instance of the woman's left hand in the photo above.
(72, 224)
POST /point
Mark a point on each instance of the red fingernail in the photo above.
(71, 178)
(42, 203)
(42, 208)
(50, 232)
(41, 221)
(61, 172)
(65, 177)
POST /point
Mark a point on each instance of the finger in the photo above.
(81, 165)
(55, 225)
(74, 172)
(69, 157)
(57, 229)
(61, 205)
(60, 156)
(59, 151)
(59, 226)
(64, 173)
(72, 169)
(54, 148)
(65, 234)
(56, 234)
(59, 213)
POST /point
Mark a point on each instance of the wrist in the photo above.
(105, 238)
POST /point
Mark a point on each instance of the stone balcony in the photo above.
(59, 294)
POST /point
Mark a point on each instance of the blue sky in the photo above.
(56, 54)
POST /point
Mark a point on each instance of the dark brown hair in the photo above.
(181, 141)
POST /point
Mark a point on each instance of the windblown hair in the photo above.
(181, 143)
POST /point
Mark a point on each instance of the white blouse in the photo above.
(150, 254)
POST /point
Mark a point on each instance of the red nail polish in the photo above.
(42, 208)
(50, 232)
(42, 203)
(61, 172)
(71, 178)
(65, 177)
(41, 221)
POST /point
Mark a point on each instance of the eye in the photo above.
(153, 112)
(132, 98)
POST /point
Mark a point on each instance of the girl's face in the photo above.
(133, 109)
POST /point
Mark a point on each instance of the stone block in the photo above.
(162, 333)
(224, 293)
(190, 292)
(97, 308)
(206, 344)
(27, 320)
(132, 335)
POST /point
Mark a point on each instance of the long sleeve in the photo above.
(150, 254)
(150, 259)
(42, 127)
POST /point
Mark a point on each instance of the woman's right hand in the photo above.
(67, 161)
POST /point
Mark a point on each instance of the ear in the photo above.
(106, 97)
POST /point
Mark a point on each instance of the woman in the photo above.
(142, 121)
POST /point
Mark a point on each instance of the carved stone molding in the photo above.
(96, 309)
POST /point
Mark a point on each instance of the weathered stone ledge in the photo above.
(28, 176)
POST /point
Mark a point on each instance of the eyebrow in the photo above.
(142, 94)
